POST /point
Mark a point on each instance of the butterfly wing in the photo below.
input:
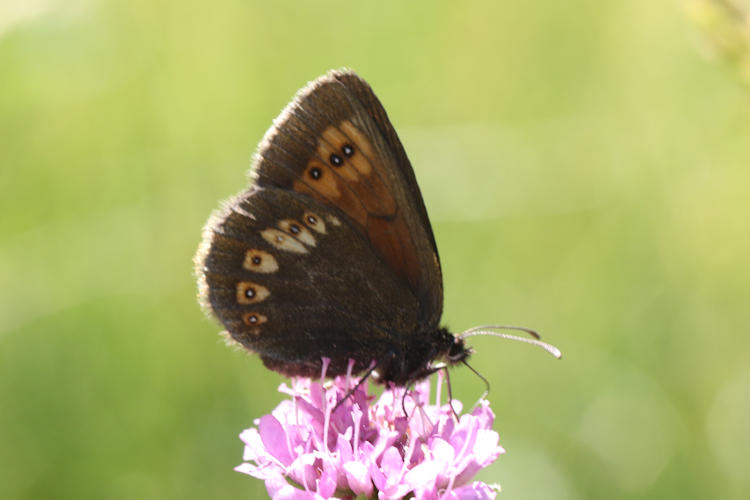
(330, 251)
(334, 143)
(294, 279)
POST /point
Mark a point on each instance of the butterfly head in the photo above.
(458, 351)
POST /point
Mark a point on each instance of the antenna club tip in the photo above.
(557, 353)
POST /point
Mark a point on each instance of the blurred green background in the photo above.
(585, 165)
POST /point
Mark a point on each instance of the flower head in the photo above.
(310, 448)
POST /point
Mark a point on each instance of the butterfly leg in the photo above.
(403, 398)
(486, 382)
(354, 389)
(450, 391)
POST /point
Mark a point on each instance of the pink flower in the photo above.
(367, 448)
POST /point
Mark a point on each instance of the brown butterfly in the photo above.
(329, 252)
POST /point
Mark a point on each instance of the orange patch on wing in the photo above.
(346, 201)
(358, 182)
(393, 239)
(319, 175)
(374, 190)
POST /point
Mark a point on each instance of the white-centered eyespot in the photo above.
(314, 222)
(251, 293)
(260, 262)
(254, 319)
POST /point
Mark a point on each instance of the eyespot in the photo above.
(348, 150)
(251, 293)
(363, 145)
(336, 160)
(318, 177)
(314, 222)
(259, 261)
(254, 319)
(298, 231)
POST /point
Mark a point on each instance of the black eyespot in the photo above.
(294, 228)
(336, 160)
(256, 260)
(316, 173)
(249, 293)
(311, 219)
(252, 318)
(348, 150)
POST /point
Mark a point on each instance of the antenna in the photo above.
(486, 330)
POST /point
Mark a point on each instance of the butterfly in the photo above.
(329, 252)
